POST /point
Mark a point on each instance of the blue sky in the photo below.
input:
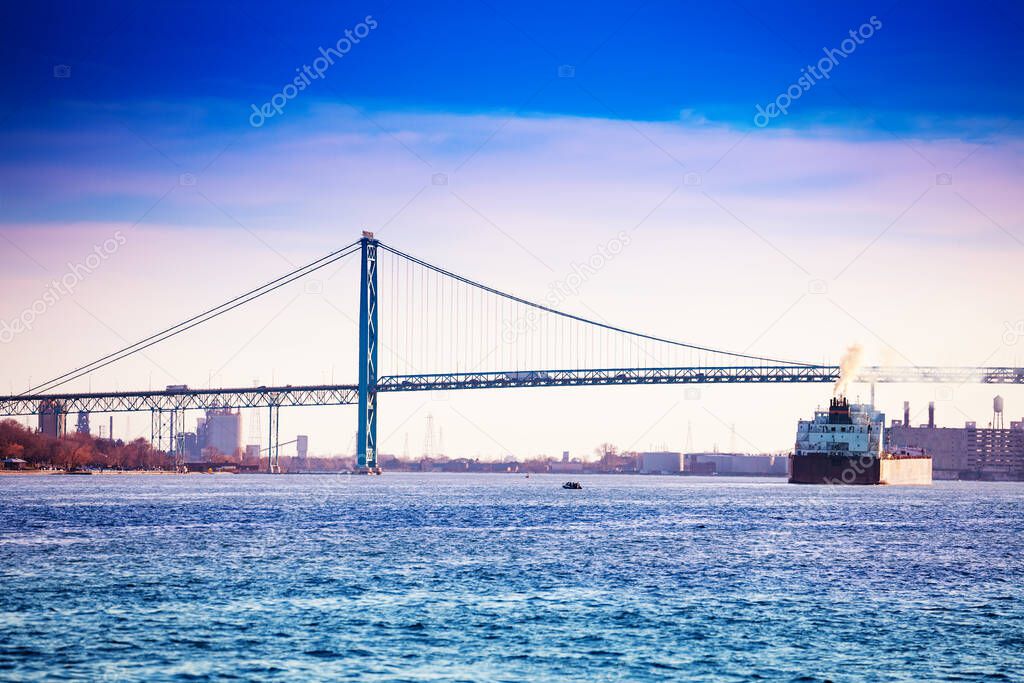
(933, 63)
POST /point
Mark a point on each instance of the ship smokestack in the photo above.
(839, 411)
(931, 414)
(906, 413)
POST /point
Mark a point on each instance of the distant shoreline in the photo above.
(22, 473)
(553, 475)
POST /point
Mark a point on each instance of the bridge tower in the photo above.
(366, 437)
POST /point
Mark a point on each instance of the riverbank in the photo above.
(26, 473)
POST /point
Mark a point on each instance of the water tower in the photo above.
(997, 413)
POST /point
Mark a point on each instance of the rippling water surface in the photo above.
(481, 577)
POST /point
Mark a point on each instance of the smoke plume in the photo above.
(849, 366)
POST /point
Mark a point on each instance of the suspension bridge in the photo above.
(470, 336)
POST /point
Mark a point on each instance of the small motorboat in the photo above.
(572, 485)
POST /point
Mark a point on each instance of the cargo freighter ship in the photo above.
(844, 446)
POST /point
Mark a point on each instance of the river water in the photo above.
(500, 577)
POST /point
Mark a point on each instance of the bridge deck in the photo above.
(345, 394)
(185, 399)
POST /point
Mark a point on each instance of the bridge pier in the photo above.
(274, 440)
(166, 428)
(158, 427)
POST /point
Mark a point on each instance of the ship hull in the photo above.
(867, 470)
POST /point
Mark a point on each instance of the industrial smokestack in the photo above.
(931, 413)
(906, 413)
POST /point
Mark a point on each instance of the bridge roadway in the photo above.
(175, 399)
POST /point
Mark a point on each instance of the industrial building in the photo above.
(52, 418)
(993, 453)
(566, 467)
(661, 462)
(188, 444)
(219, 432)
(736, 464)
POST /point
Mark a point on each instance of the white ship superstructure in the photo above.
(843, 429)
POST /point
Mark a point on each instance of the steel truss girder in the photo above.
(348, 394)
(600, 377)
(946, 375)
(187, 399)
(694, 375)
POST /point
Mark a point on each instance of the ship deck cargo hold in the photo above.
(894, 470)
